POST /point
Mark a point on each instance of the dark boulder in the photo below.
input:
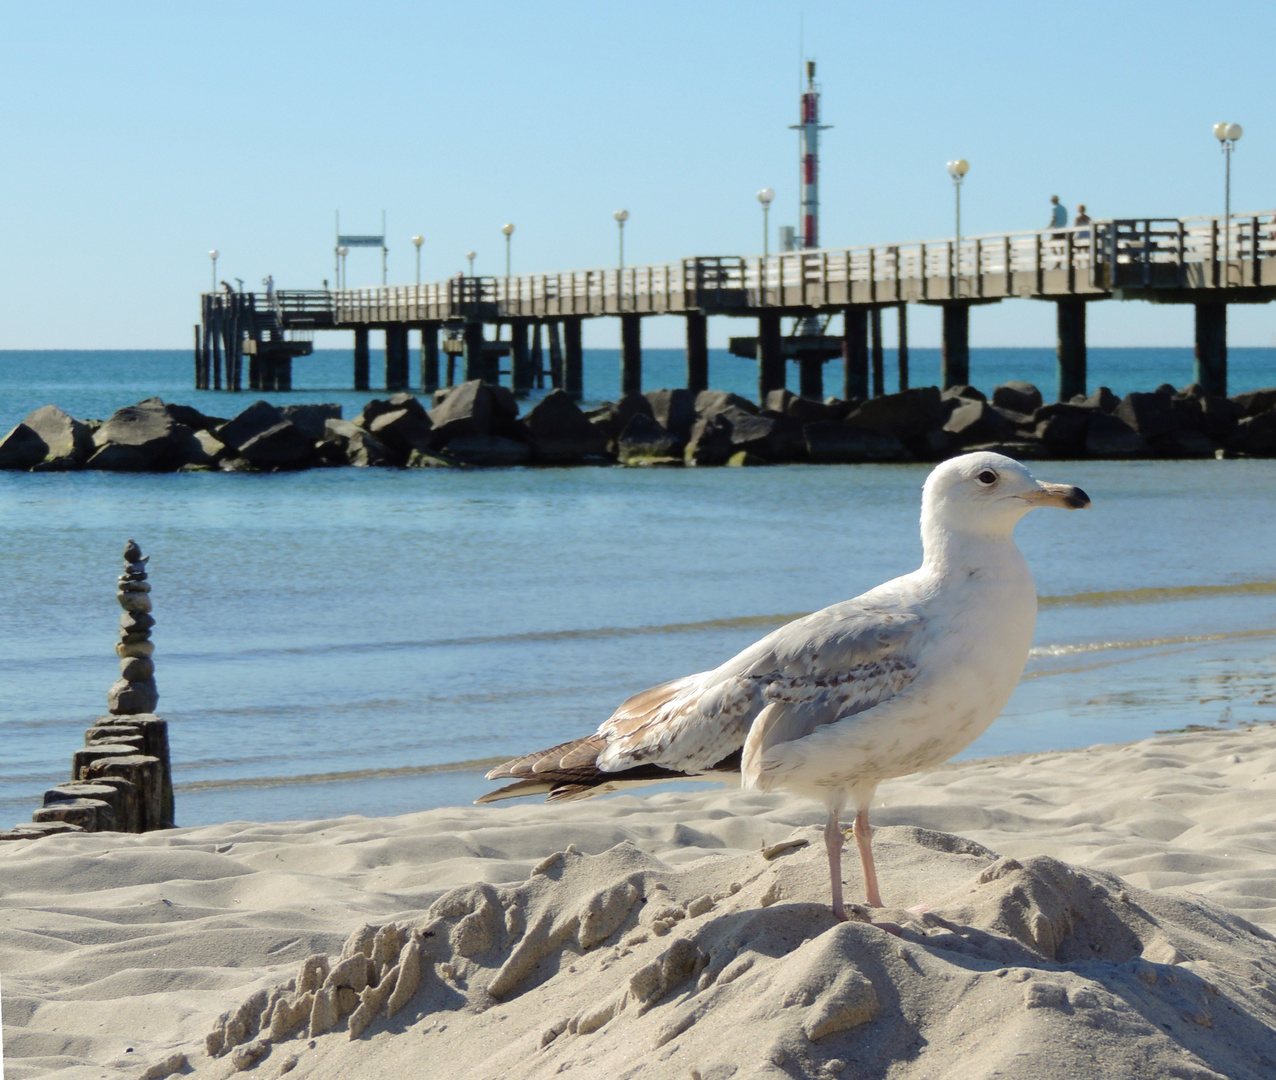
(1254, 402)
(146, 438)
(346, 444)
(709, 402)
(673, 410)
(1151, 415)
(966, 392)
(402, 430)
(1165, 388)
(1061, 428)
(645, 442)
(844, 443)
(977, 422)
(906, 415)
(1183, 443)
(69, 442)
(264, 438)
(379, 406)
(22, 448)
(310, 419)
(560, 433)
(613, 417)
(1254, 435)
(1219, 417)
(198, 421)
(492, 451)
(1017, 397)
(1108, 436)
(804, 410)
(465, 413)
(1103, 399)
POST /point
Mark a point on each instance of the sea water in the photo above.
(363, 641)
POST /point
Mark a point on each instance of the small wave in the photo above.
(1158, 595)
(346, 777)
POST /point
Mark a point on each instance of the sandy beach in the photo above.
(1095, 913)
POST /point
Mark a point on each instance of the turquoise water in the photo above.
(373, 630)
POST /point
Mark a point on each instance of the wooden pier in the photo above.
(1161, 260)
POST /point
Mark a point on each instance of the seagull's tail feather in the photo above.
(569, 771)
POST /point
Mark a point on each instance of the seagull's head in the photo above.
(985, 494)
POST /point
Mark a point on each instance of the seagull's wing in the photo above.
(817, 669)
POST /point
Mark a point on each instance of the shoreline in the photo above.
(144, 940)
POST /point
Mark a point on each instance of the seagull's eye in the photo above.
(987, 478)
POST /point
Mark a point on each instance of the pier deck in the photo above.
(1200, 261)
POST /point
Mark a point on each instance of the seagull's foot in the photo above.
(839, 913)
(918, 909)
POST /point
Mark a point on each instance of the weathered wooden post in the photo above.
(537, 360)
(473, 340)
(955, 357)
(199, 362)
(573, 360)
(429, 357)
(697, 351)
(555, 357)
(216, 330)
(1070, 347)
(855, 353)
(1211, 347)
(903, 347)
(770, 354)
(362, 364)
(630, 353)
(879, 372)
(520, 359)
(396, 356)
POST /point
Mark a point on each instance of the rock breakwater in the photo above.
(478, 425)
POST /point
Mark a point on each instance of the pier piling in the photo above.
(879, 373)
(537, 359)
(555, 357)
(362, 367)
(396, 357)
(955, 359)
(573, 361)
(1071, 348)
(630, 353)
(520, 359)
(474, 351)
(429, 357)
(697, 351)
(1211, 347)
(770, 354)
(903, 347)
(855, 353)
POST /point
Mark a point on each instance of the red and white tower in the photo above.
(809, 140)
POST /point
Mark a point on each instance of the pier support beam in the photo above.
(855, 353)
(811, 376)
(429, 357)
(200, 382)
(537, 358)
(520, 359)
(879, 372)
(362, 367)
(903, 347)
(1070, 348)
(573, 359)
(630, 354)
(955, 360)
(473, 351)
(555, 357)
(770, 355)
(217, 348)
(1211, 347)
(697, 351)
(396, 357)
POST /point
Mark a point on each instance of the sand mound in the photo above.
(620, 965)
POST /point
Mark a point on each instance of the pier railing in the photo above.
(1128, 254)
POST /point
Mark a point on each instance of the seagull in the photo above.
(828, 706)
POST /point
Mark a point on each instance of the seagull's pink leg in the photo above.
(864, 841)
(833, 840)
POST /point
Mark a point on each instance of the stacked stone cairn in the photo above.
(121, 781)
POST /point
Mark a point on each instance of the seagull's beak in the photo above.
(1064, 495)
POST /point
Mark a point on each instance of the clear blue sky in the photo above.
(135, 137)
